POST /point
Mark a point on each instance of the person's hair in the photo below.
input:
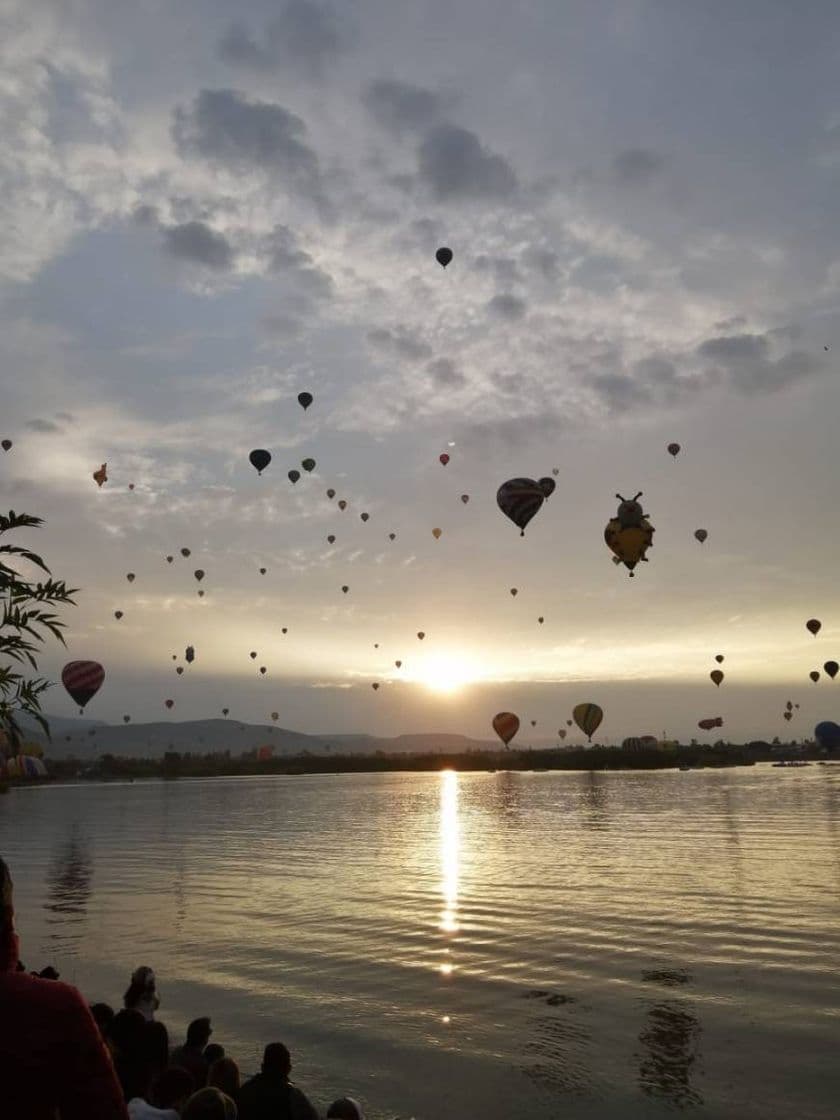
(212, 1052)
(103, 1016)
(8, 941)
(48, 973)
(209, 1104)
(345, 1108)
(142, 982)
(198, 1032)
(172, 1086)
(224, 1075)
(155, 1046)
(127, 1032)
(276, 1059)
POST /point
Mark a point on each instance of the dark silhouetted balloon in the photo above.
(345, 589)
(443, 256)
(6, 445)
(305, 400)
(831, 668)
(465, 498)
(506, 725)
(514, 591)
(201, 594)
(717, 676)
(169, 559)
(294, 476)
(253, 655)
(421, 635)
(331, 494)
(179, 670)
(185, 552)
(814, 675)
(101, 475)
(520, 499)
(169, 703)
(392, 536)
(827, 735)
(130, 577)
(331, 539)
(398, 664)
(263, 571)
(541, 620)
(118, 615)
(225, 711)
(629, 534)
(189, 656)
(436, 533)
(364, 516)
(788, 716)
(547, 485)
(444, 458)
(262, 670)
(82, 679)
(374, 687)
(126, 719)
(342, 505)
(673, 449)
(719, 658)
(308, 465)
(199, 574)
(588, 718)
(260, 459)
(814, 625)
(700, 535)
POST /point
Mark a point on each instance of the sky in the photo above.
(209, 209)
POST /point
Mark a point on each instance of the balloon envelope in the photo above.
(101, 475)
(827, 735)
(814, 625)
(588, 718)
(294, 476)
(673, 449)
(719, 658)
(444, 458)
(520, 499)
(436, 533)
(82, 679)
(260, 459)
(169, 703)
(831, 667)
(814, 675)
(305, 400)
(506, 724)
(443, 256)
(548, 486)
(717, 676)
(700, 534)
(308, 464)
(465, 498)
(6, 444)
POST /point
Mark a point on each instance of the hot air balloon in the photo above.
(519, 499)
(262, 670)
(169, 559)
(6, 445)
(436, 533)
(541, 620)
(719, 658)
(345, 589)
(285, 630)
(420, 635)
(130, 577)
(342, 505)
(392, 536)
(260, 458)
(831, 668)
(374, 686)
(827, 735)
(253, 655)
(179, 670)
(263, 571)
(814, 675)
(225, 711)
(131, 485)
(398, 664)
(199, 574)
(673, 449)
(305, 400)
(169, 703)
(547, 485)
(562, 732)
(101, 475)
(365, 516)
(308, 465)
(82, 679)
(126, 719)
(118, 615)
(629, 534)
(514, 591)
(294, 476)
(717, 676)
(331, 539)
(700, 535)
(708, 724)
(814, 625)
(588, 718)
(533, 723)
(568, 723)
(444, 458)
(506, 724)
(189, 656)
(465, 498)
(201, 594)
(331, 494)
(443, 256)
(185, 552)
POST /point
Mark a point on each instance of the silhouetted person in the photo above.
(48, 973)
(224, 1075)
(209, 1104)
(128, 1029)
(191, 1055)
(141, 994)
(345, 1108)
(52, 1056)
(166, 1099)
(270, 1095)
(212, 1053)
(103, 1016)
(155, 1049)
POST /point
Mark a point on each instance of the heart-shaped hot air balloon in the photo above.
(260, 458)
(82, 679)
(169, 703)
(444, 458)
(814, 625)
(519, 499)
(506, 725)
(6, 444)
(331, 494)
(814, 675)
(331, 539)
(717, 676)
(588, 718)
(827, 735)
(831, 668)
(101, 475)
(443, 256)
(293, 476)
(547, 485)
(305, 400)
(308, 465)
(342, 504)
(673, 449)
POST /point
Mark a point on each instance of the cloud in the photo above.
(225, 127)
(508, 307)
(400, 341)
(305, 35)
(454, 164)
(749, 363)
(286, 258)
(399, 107)
(196, 242)
(636, 166)
(43, 426)
(445, 373)
(619, 392)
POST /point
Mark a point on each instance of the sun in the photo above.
(446, 673)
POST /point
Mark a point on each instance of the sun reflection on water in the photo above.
(449, 850)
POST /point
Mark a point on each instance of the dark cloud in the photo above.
(196, 242)
(506, 306)
(399, 107)
(544, 261)
(619, 392)
(42, 426)
(445, 373)
(225, 127)
(400, 341)
(735, 348)
(747, 361)
(636, 166)
(453, 162)
(145, 215)
(305, 35)
(504, 269)
(283, 326)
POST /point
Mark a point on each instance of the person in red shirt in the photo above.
(52, 1057)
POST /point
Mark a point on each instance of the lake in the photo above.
(451, 946)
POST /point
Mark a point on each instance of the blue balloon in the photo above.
(827, 735)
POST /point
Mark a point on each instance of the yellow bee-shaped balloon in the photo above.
(629, 534)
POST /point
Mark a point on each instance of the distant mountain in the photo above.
(89, 739)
